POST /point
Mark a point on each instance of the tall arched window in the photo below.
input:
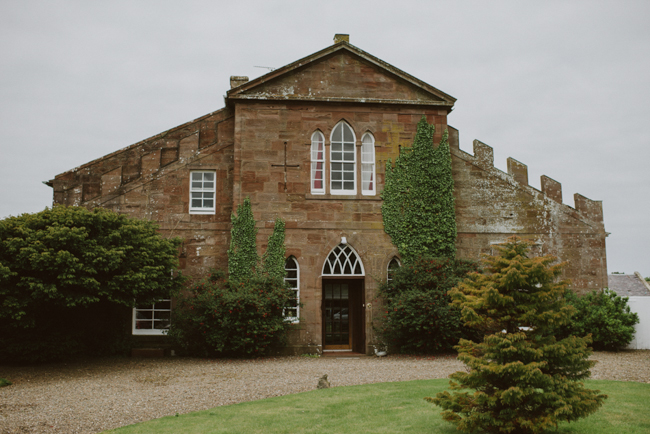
(392, 266)
(292, 277)
(368, 182)
(317, 163)
(342, 160)
(343, 261)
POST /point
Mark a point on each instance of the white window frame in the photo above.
(317, 162)
(203, 189)
(368, 176)
(345, 150)
(136, 330)
(294, 282)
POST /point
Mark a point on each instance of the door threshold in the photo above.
(342, 354)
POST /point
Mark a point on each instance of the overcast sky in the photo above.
(562, 86)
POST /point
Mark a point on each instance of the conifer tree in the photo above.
(242, 254)
(418, 198)
(526, 381)
(273, 260)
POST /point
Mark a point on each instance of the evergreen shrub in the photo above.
(525, 380)
(227, 318)
(419, 316)
(604, 315)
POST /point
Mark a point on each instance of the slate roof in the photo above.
(628, 285)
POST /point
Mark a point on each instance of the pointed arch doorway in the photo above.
(343, 305)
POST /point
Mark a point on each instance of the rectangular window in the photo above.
(317, 163)
(152, 319)
(343, 160)
(368, 165)
(292, 277)
(202, 192)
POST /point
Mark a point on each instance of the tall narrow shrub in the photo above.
(242, 254)
(525, 380)
(418, 198)
(273, 259)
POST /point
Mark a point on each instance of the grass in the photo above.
(384, 408)
(4, 382)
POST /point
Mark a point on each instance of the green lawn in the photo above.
(384, 408)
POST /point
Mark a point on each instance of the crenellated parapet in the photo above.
(483, 157)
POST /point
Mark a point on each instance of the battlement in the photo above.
(517, 171)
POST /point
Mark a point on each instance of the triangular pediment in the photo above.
(341, 73)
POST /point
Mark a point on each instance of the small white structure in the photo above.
(641, 305)
(638, 291)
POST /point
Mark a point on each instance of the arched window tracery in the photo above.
(343, 260)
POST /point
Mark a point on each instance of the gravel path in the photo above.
(97, 395)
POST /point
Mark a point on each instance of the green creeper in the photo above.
(242, 254)
(525, 380)
(418, 198)
(273, 259)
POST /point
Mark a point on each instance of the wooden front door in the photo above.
(343, 315)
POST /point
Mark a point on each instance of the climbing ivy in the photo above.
(273, 259)
(418, 207)
(242, 254)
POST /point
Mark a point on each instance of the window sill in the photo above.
(359, 196)
(154, 332)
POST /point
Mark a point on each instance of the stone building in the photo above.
(308, 142)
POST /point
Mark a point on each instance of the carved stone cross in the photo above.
(285, 165)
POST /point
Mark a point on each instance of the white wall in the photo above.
(641, 305)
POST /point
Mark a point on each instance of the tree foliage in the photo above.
(62, 268)
(418, 198)
(226, 318)
(241, 315)
(605, 316)
(526, 380)
(242, 254)
(419, 317)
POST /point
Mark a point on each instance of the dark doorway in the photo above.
(343, 315)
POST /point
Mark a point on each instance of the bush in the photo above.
(221, 318)
(4, 383)
(418, 315)
(69, 276)
(525, 380)
(604, 315)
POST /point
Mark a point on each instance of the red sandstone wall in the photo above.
(316, 223)
(150, 180)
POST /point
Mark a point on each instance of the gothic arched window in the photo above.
(393, 265)
(292, 277)
(343, 261)
(317, 163)
(368, 182)
(343, 158)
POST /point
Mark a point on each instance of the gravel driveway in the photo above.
(101, 394)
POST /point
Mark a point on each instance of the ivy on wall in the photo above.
(242, 254)
(273, 260)
(418, 198)
(243, 260)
